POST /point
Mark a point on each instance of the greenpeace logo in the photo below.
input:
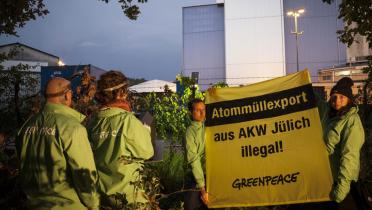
(281, 179)
(49, 131)
(106, 134)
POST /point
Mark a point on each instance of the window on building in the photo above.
(342, 73)
(357, 72)
(327, 77)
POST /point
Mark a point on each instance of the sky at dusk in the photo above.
(93, 32)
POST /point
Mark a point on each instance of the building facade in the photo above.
(33, 58)
(203, 43)
(357, 60)
(241, 42)
(28, 54)
(328, 77)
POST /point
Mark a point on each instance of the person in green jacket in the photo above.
(344, 136)
(195, 154)
(57, 169)
(120, 143)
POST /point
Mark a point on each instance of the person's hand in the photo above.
(204, 196)
(211, 91)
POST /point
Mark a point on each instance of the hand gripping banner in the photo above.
(264, 144)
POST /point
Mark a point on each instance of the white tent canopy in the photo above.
(153, 86)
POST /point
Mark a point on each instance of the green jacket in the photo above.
(57, 168)
(344, 137)
(116, 133)
(195, 151)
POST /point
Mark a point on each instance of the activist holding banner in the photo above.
(120, 144)
(344, 136)
(264, 145)
(195, 154)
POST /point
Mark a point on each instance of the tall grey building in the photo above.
(242, 42)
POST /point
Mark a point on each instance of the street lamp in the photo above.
(295, 14)
(60, 63)
(195, 81)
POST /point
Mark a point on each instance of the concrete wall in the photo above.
(249, 41)
(203, 43)
(254, 40)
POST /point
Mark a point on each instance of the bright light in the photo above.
(342, 73)
(60, 63)
(295, 13)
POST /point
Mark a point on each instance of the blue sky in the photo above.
(93, 32)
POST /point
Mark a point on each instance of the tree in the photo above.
(16, 80)
(172, 117)
(15, 13)
(357, 16)
(220, 84)
(171, 114)
(135, 81)
(130, 10)
(169, 110)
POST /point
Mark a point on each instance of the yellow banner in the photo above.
(264, 145)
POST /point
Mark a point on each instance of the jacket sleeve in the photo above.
(80, 160)
(352, 139)
(138, 139)
(193, 159)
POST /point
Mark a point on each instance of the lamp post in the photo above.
(195, 80)
(295, 14)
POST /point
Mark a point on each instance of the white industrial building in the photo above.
(34, 58)
(247, 41)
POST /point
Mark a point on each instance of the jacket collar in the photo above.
(197, 124)
(110, 111)
(353, 110)
(123, 104)
(64, 110)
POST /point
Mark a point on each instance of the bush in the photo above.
(172, 172)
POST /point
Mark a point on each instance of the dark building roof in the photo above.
(23, 45)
